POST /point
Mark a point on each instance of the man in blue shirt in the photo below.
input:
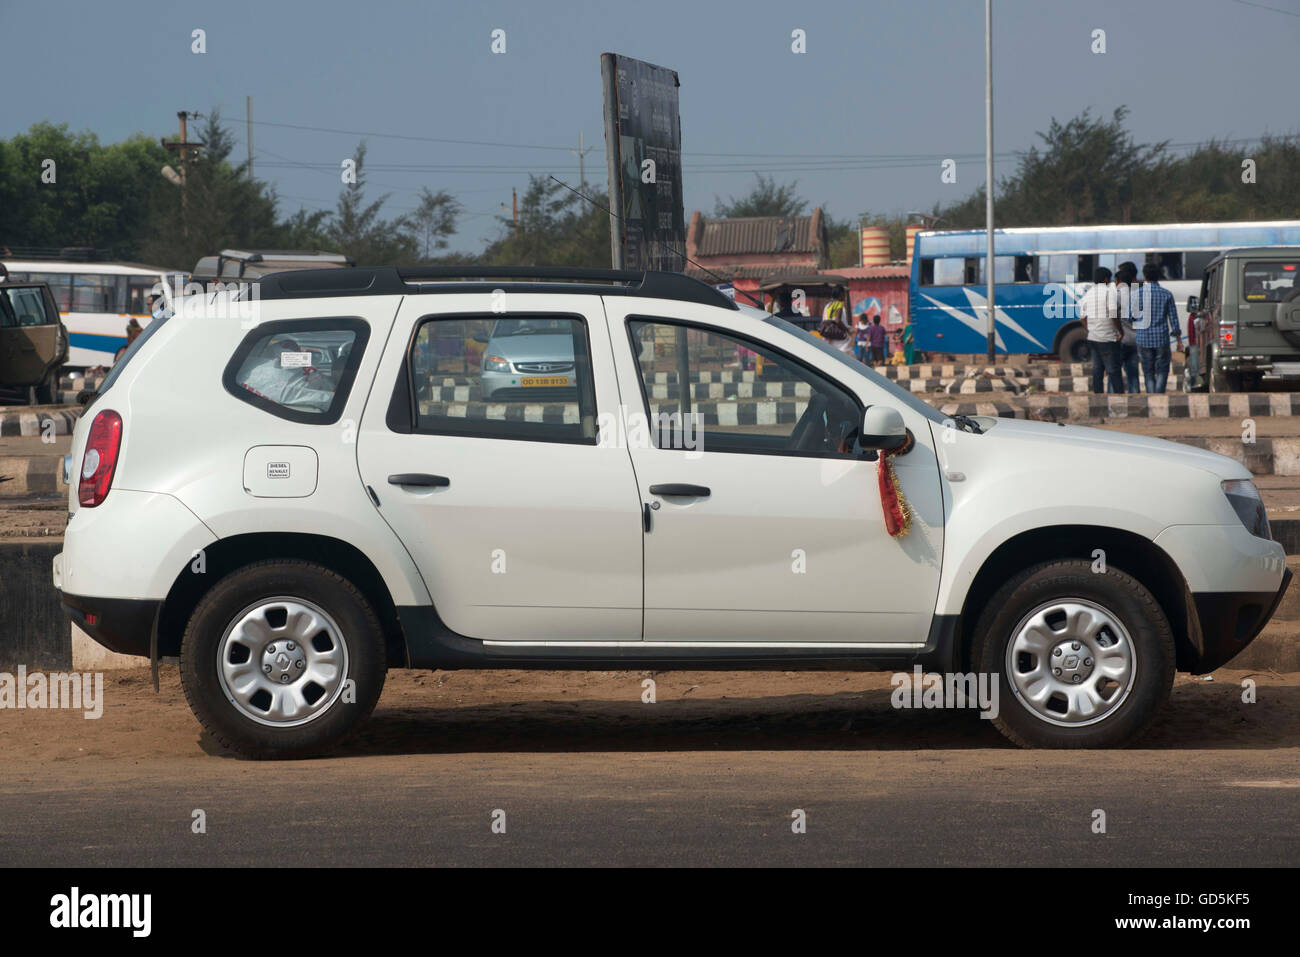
(1155, 320)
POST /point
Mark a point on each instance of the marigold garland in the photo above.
(898, 514)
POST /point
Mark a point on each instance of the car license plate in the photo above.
(544, 382)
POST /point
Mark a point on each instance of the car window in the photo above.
(299, 369)
(60, 286)
(523, 377)
(854, 367)
(27, 305)
(740, 395)
(1268, 281)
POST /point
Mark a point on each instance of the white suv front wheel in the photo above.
(282, 658)
(1084, 657)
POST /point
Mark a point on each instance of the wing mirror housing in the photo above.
(883, 429)
(1193, 304)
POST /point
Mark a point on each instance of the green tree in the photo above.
(99, 195)
(1089, 170)
(434, 220)
(556, 228)
(767, 198)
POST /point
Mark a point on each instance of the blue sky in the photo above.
(888, 79)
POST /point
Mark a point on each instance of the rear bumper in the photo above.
(1229, 621)
(124, 625)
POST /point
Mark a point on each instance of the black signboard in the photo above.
(643, 150)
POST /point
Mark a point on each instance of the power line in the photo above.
(1248, 3)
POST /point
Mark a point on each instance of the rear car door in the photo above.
(480, 443)
(31, 336)
(758, 529)
(1264, 319)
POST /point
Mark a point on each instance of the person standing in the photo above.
(860, 327)
(1100, 314)
(1155, 321)
(1125, 276)
(876, 341)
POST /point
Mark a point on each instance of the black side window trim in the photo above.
(763, 346)
(403, 413)
(361, 331)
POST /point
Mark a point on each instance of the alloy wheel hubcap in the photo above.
(1071, 662)
(282, 662)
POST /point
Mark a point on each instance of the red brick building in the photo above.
(748, 250)
(880, 289)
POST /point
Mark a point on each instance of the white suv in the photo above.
(296, 499)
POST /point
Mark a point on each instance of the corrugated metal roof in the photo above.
(757, 234)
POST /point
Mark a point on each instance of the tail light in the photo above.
(100, 459)
(1228, 333)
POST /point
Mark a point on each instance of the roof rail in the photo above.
(403, 280)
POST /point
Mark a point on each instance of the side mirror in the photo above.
(1193, 304)
(882, 429)
(480, 338)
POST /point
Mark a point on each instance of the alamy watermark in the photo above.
(930, 690)
(38, 690)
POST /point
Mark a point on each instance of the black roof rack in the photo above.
(404, 280)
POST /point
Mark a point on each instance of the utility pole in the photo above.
(249, 110)
(581, 152)
(988, 167)
(183, 148)
(514, 206)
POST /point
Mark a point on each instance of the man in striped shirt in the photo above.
(1155, 320)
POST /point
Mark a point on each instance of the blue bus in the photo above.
(1041, 273)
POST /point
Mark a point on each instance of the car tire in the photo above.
(1125, 666)
(46, 391)
(282, 659)
(1219, 380)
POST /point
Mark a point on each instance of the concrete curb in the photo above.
(22, 476)
(45, 420)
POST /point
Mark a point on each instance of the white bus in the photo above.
(96, 301)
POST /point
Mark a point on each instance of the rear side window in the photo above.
(298, 369)
(1269, 281)
(517, 376)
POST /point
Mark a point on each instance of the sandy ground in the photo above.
(493, 711)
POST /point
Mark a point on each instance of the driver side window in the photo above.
(740, 396)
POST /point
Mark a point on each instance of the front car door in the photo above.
(759, 528)
(481, 445)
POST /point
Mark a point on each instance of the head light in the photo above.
(1246, 502)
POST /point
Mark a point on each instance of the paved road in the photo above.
(686, 781)
(675, 809)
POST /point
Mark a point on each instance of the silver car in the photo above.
(530, 358)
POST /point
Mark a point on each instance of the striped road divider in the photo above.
(37, 422)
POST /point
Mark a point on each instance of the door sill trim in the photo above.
(751, 645)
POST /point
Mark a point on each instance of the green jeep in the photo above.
(33, 343)
(1248, 318)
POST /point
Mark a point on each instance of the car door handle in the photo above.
(419, 478)
(680, 488)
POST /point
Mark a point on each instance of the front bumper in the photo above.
(124, 625)
(1229, 621)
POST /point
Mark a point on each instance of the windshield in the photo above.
(531, 327)
(853, 365)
